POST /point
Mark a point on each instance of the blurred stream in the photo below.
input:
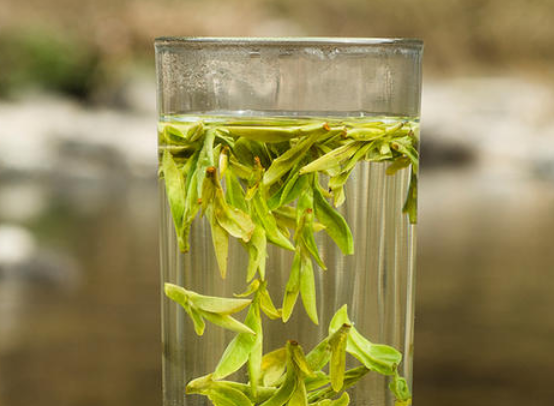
(79, 286)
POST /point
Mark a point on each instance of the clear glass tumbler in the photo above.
(288, 181)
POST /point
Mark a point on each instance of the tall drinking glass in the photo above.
(288, 175)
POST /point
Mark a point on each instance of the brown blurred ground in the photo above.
(79, 320)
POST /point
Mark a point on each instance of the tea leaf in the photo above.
(236, 222)
(288, 386)
(257, 253)
(365, 134)
(398, 164)
(267, 220)
(292, 188)
(226, 321)
(197, 320)
(266, 304)
(273, 366)
(377, 357)
(220, 240)
(234, 193)
(223, 161)
(337, 343)
(175, 190)
(256, 353)
(214, 309)
(336, 185)
(333, 158)
(212, 304)
(399, 387)
(285, 162)
(410, 207)
(252, 288)
(181, 132)
(293, 286)
(319, 380)
(320, 355)
(307, 288)
(335, 225)
(270, 134)
(339, 319)
(299, 359)
(228, 396)
(344, 400)
(238, 351)
(205, 160)
(299, 396)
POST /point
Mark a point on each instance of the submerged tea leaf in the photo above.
(335, 224)
(337, 342)
(214, 309)
(285, 162)
(238, 351)
(273, 366)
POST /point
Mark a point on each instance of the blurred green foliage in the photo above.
(47, 60)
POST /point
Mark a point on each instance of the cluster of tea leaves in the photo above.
(260, 182)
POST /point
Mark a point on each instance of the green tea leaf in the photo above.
(337, 343)
(226, 322)
(257, 254)
(397, 165)
(292, 188)
(236, 222)
(365, 134)
(333, 158)
(399, 387)
(299, 396)
(178, 133)
(335, 225)
(228, 396)
(299, 359)
(273, 366)
(238, 351)
(220, 240)
(286, 390)
(266, 304)
(410, 207)
(336, 185)
(256, 354)
(339, 319)
(199, 385)
(200, 306)
(175, 190)
(223, 161)
(320, 355)
(293, 287)
(377, 357)
(213, 304)
(267, 220)
(205, 160)
(270, 134)
(307, 288)
(344, 400)
(197, 320)
(319, 380)
(235, 193)
(285, 162)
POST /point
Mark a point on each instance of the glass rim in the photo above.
(288, 41)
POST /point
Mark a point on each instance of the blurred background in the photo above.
(79, 286)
